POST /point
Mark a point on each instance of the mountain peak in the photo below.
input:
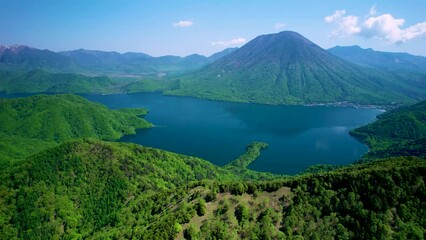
(13, 48)
(281, 48)
(289, 33)
(284, 68)
(284, 35)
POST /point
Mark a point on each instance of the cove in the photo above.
(298, 136)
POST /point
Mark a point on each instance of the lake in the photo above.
(298, 136)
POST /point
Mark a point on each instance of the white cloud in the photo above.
(384, 27)
(373, 11)
(337, 15)
(279, 25)
(346, 25)
(389, 28)
(185, 23)
(234, 41)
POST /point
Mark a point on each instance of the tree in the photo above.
(242, 213)
(201, 207)
(190, 232)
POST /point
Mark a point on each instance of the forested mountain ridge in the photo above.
(40, 81)
(390, 61)
(93, 62)
(89, 188)
(93, 189)
(399, 132)
(20, 57)
(381, 199)
(29, 125)
(286, 68)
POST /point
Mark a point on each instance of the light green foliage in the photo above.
(376, 200)
(242, 213)
(28, 125)
(399, 132)
(201, 207)
(86, 186)
(190, 232)
(38, 81)
(150, 85)
(239, 165)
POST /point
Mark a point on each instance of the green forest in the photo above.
(63, 177)
(400, 132)
(31, 124)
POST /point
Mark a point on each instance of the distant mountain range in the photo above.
(281, 68)
(384, 60)
(92, 62)
(287, 68)
(19, 57)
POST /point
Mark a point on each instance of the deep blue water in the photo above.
(298, 136)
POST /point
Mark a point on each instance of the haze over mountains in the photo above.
(286, 68)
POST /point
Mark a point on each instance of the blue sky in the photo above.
(183, 27)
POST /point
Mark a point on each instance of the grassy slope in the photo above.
(400, 132)
(32, 124)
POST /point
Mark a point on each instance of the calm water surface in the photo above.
(298, 136)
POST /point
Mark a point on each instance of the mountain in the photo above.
(93, 62)
(286, 68)
(86, 188)
(399, 132)
(221, 54)
(385, 60)
(378, 200)
(38, 81)
(100, 60)
(24, 57)
(165, 65)
(28, 125)
(11, 49)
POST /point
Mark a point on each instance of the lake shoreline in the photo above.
(344, 104)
